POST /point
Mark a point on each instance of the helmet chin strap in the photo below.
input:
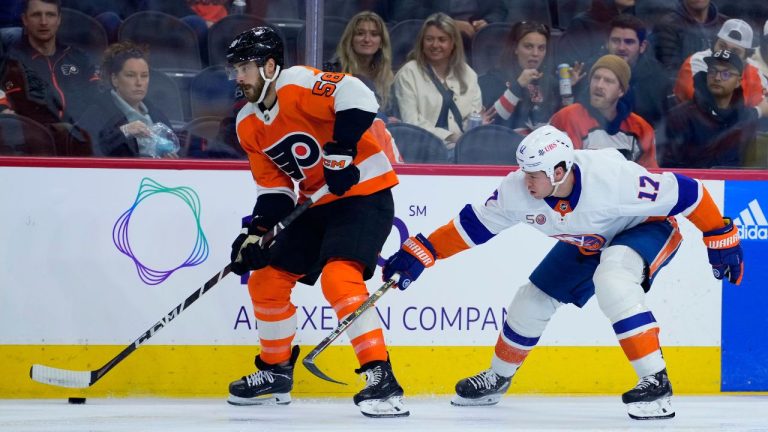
(557, 184)
(267, 82)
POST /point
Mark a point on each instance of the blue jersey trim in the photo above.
(633, 322)
(518, 339)
(475, 229)
(688, 193)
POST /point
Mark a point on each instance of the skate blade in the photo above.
(387, 408)
(268, 399)
(481, 401)
(656, 410)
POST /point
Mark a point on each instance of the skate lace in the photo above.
(257, 378)
(646, 382)
(486, 379)
(372, 377)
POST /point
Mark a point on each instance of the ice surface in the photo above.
(514, 413)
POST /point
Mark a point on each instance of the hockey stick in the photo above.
(84, 379)
(309, 360)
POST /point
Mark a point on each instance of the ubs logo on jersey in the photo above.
(293, 153)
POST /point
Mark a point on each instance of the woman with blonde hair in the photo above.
(365, 52)
(436, 89)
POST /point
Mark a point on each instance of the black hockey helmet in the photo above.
(257, 44)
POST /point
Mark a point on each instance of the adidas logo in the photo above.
(752, 223)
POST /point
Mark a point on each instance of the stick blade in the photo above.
(60, 377)
(309, 363)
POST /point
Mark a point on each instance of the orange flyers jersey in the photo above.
(284, 144)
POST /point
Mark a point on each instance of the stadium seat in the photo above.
(9, 35)
(221, 34)
(567, 9)
(173, 45)
(164, 94)
(488, 145)
(21, 136)
(529, 10)
(84, 32)
(418, 145)
(403, 37)
(488, 45)
(211, 93)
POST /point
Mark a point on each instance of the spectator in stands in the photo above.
(649, 90)
(588, 30)
(24, 93)
(761, 55)
(736, 37)
(436, 89)
(715, 128)
(119, 121)
(607, 120)
(66, 70)
(522, 90)
(691, 27)
(365, 52)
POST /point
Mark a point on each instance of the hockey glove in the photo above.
(338, 167)
(247, 253)
(416, 254)
(725, 254)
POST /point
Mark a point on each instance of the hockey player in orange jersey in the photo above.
(303, 126)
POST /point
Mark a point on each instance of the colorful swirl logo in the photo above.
(149, 188)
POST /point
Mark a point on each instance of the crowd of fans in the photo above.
(683, 86)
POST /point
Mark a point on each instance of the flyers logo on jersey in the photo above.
(293, 153)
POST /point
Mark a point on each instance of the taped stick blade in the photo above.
(60, 377)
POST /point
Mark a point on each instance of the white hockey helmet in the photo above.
(543, 149)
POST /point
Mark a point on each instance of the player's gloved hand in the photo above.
(725, 254)
(338, 167)
(416, 254)
(247, 253)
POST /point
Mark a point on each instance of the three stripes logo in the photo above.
(752, 223)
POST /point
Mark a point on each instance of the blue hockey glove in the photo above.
(725, 254)
(416, 254)
(338, 168)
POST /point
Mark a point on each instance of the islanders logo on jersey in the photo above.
(588, 243)
(293, 153)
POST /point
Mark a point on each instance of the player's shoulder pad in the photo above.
(303, 76)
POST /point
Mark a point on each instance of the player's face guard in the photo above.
(233, 71)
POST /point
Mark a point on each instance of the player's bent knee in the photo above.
(530, 310)
(617, 282)
(342, 278)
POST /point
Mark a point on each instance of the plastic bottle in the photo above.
(566, 91)
(473, 120)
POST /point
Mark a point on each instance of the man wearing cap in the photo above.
(735, 36)
(607, 119)
(715, 127)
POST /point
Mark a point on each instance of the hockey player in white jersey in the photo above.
(616, 229)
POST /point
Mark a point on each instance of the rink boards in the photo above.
(92, 257)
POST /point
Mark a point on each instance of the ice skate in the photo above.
(651, 398)
(270, 385)
(382, 395)
(485, 388)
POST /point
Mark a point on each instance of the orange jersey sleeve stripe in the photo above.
(706, 216)
(447, 241)
(672, 244)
